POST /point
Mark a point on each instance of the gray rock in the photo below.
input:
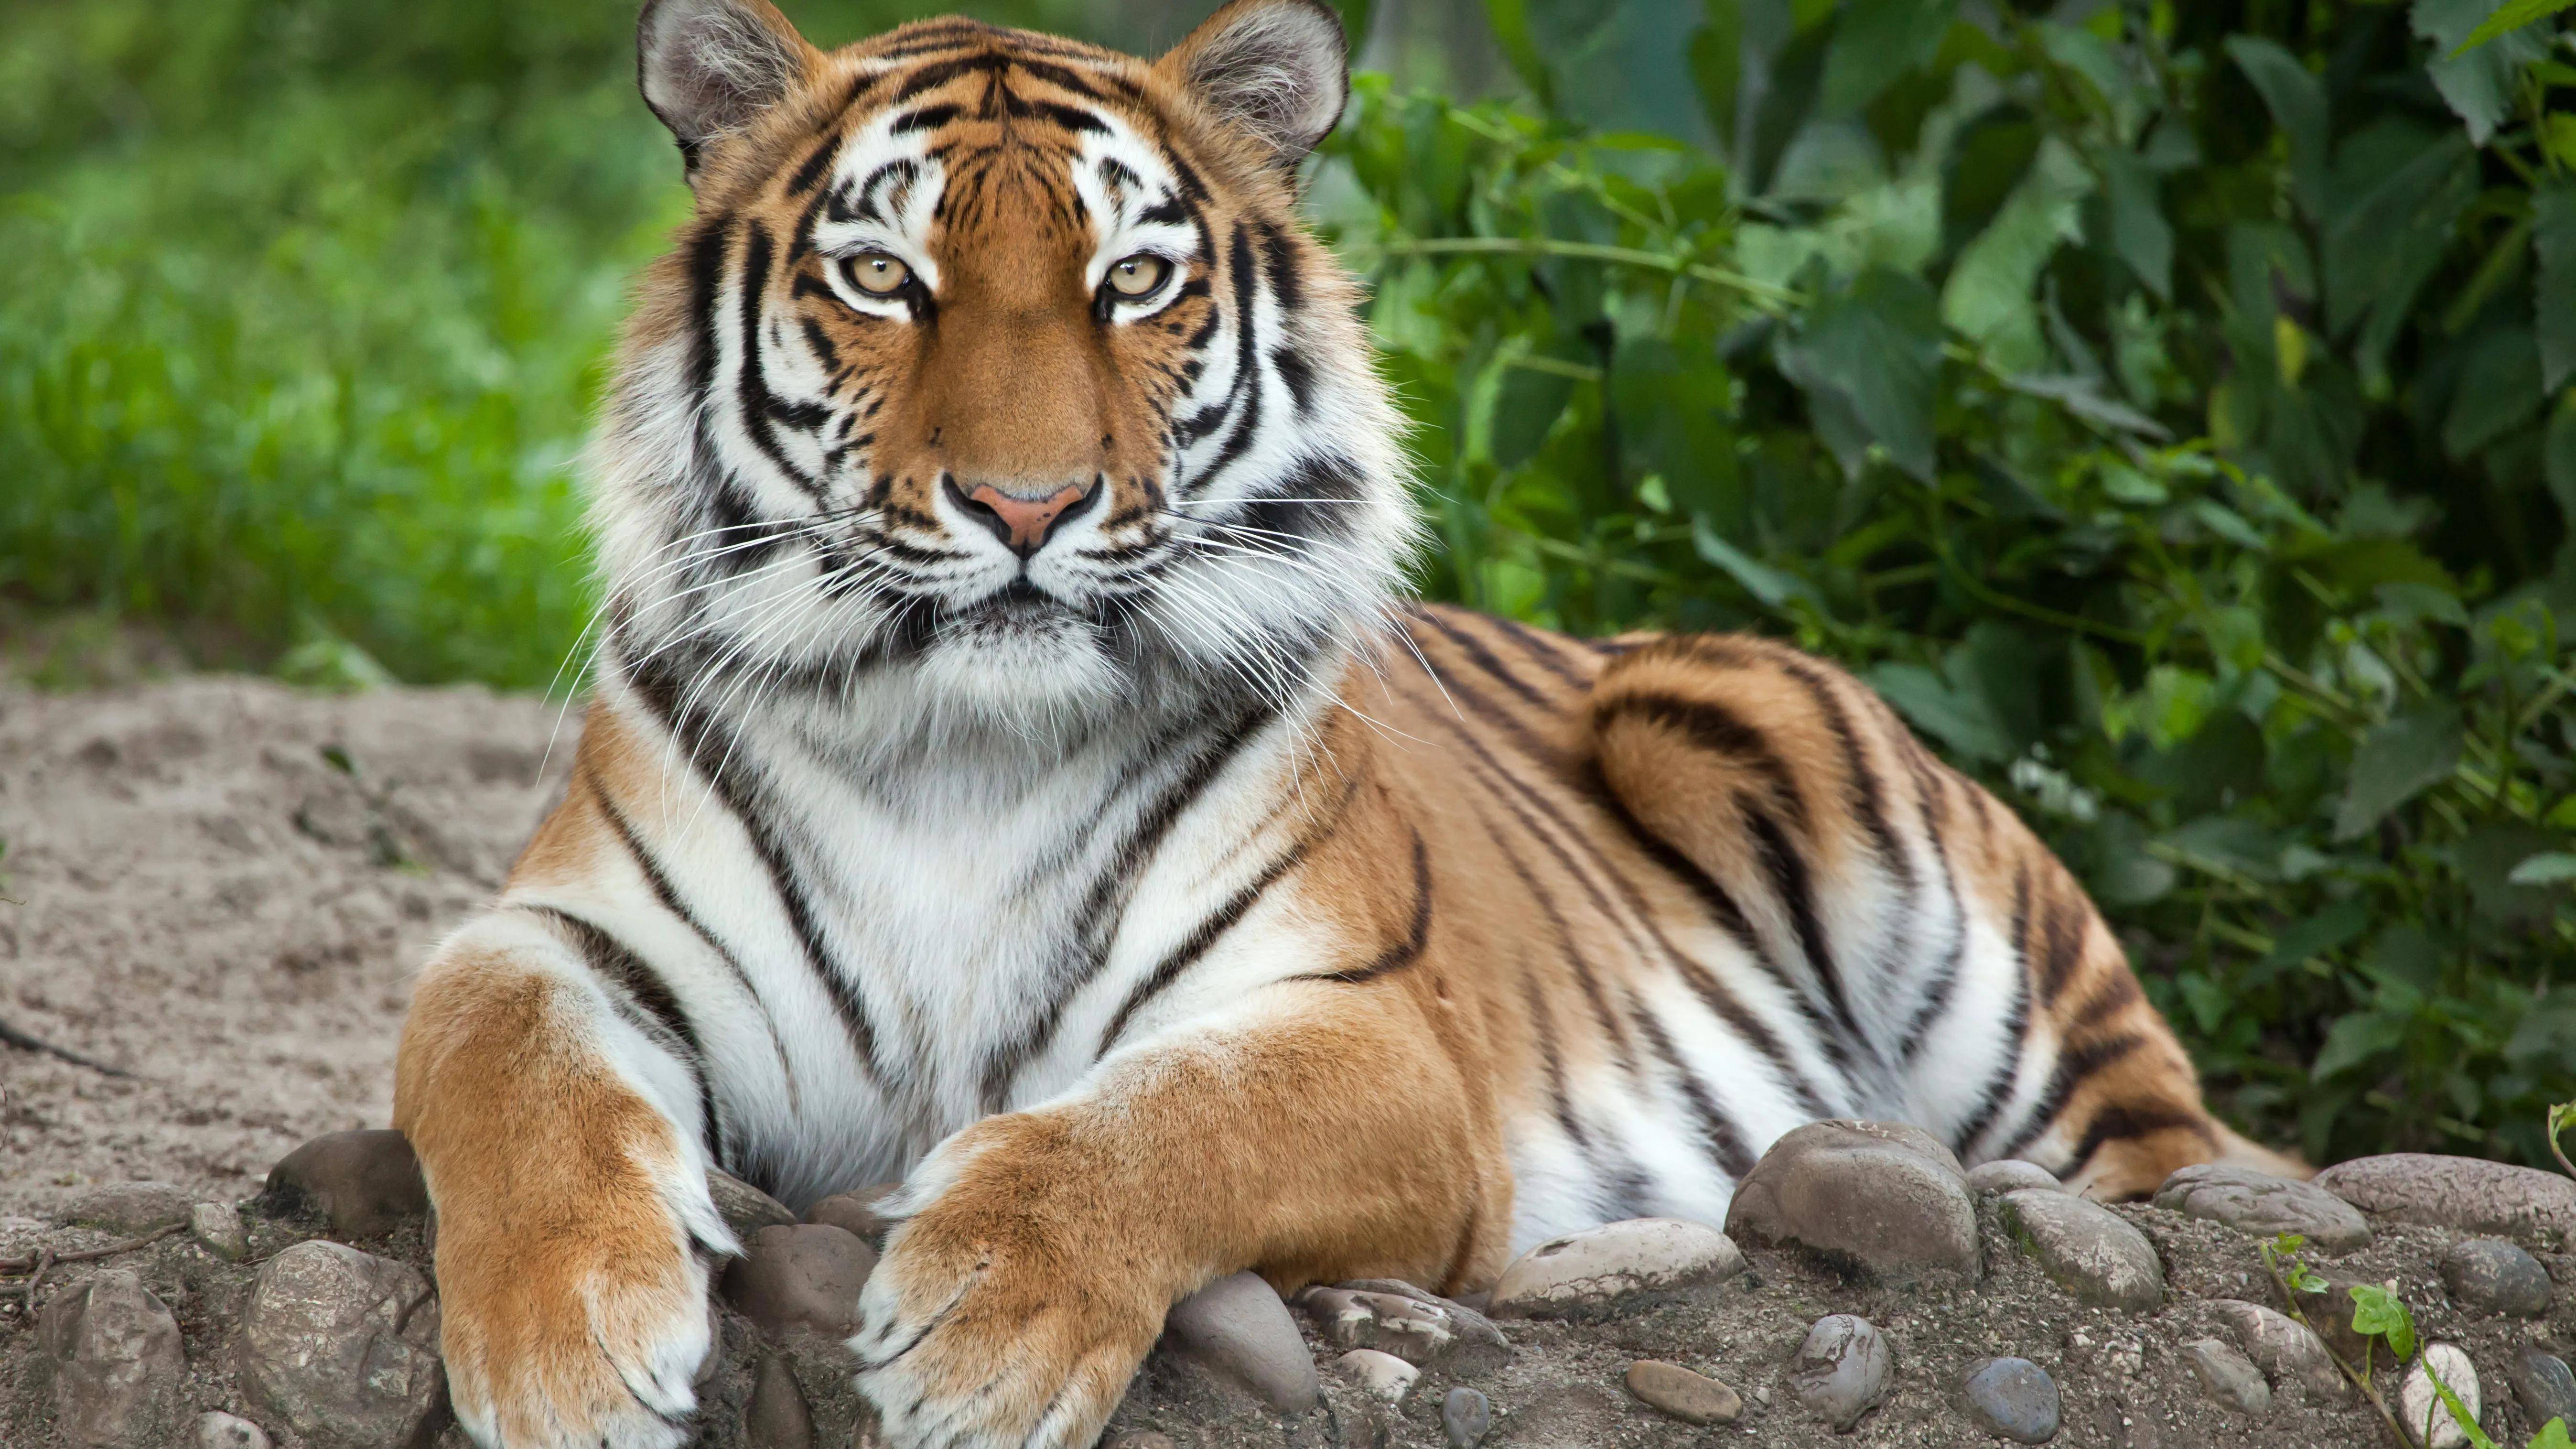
(1888, 1198)
(857, 1211)
(1382, 1376)
(366, 1183)
(342, 1346)
(1616, 1268)
(2423, 1412)
(2089, 1250)
(1239, 1329)
(1417, 1327)
(2496, 1277)
(777, 1416)
(111, 1350)
(2286, 1350)
(223, 1431)
(2229, 1376)
(1693, 1398)
(1467, 1416)
(2544, 1385)
(218, 1229)
(2011, 1174)
(1842, 1369)
(2264, 1205)
(2470, 1194)
(2014, 1399)
(130, 1209)
(746, 1209)
(800, 1275)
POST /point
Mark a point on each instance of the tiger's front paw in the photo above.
(582, 1331)
(1002, 1317)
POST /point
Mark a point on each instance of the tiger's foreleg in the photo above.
(571, 1200)
(1322, 1135)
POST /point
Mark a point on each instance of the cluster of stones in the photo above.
(340, 1346)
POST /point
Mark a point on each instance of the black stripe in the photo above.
(1711, 992)
(1573, 955)
(1719, 731)
(1871, 804)
(1279, 263)
(924, 118)
(1316, 499)
(1551, 1059)
(1115, 886)
(1723, 1141)
(1210, 929)
(1483, 658)
(810, 174)
(641, 989)
(1400, 954)
(1536, 646)
(2074, 1066)
(2016, 1025)
(1297, 373)
(1790, 882)
(2118, 1123)
(711, 753)
(669, 897)
(706, 258)
(1945, 980)
(761, 407)
(2065, 930)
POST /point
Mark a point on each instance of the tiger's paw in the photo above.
(995, 1320)
(575, 1335)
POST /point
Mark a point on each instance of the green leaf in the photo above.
(1990, 295)
(2383, 244)
(2553, 1435)
(2512, 17)
(2378, 1313)
(2140, 234)
(2298, 105)
(2476, 79)
(2334, 926)
(2397, 761)
(1871, 358)
(1962, 718)
(2499, 392)
(2553, 246)
(2550, 867)
(1875, 41)
(1774, 587)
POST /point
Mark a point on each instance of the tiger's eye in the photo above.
(1139, 276)
(878, 274)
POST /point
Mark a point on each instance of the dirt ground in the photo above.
(222, 885)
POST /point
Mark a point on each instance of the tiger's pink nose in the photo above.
(1022, 523)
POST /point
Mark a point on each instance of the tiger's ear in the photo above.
(1278, 69)
(707, 67)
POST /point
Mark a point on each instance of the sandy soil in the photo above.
(222, 885)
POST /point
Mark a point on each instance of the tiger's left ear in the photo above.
(1278, 69)
(707, 67)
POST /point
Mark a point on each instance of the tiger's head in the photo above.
(994, 376)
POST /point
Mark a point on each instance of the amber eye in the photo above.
(1139, 276)
(877, 273)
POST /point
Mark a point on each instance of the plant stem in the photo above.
(2386, 1416)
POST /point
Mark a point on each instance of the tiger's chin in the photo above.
(1023, 665)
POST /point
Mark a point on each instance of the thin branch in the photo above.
(23, 1041)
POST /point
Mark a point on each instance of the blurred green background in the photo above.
(2167, 405)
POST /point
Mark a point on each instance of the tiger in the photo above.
(1014, 767)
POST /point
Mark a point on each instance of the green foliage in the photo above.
(2168, 419)
(308, 308)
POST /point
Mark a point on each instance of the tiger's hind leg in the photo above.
(1946, 957)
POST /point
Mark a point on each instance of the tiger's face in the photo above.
(996, 371)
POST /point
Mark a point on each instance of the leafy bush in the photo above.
(2165, 411)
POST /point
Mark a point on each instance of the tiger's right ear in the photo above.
(707, 67)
